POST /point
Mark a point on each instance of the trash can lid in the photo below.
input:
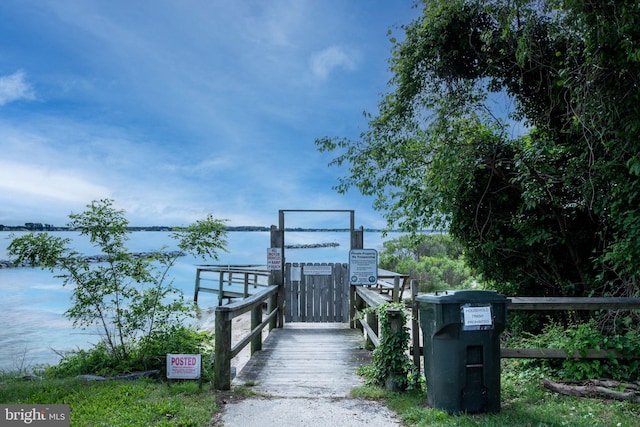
(462, 296)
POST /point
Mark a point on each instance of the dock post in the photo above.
(256, 320)
(197, 290)
(222, 355)
(415, 327)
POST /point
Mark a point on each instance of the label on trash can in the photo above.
(477, 317)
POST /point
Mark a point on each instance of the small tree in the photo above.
(129, 298)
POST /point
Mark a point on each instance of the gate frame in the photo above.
(277, 241)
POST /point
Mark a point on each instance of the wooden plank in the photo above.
(317, 288)
(332, 295)
(371, 334)
(572, 303)
(302, 313)
(288, 294)
(372, 298)
(307, 360)
(337, 293)
(295, 300)
(327, 297)
(346, 289)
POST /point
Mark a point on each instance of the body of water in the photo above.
(35, 331)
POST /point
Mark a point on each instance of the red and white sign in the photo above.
(184, 366)
(274, 258)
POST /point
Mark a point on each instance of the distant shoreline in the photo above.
(5, 263)
(164, 228)
(312, 245)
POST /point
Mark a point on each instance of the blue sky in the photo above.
(180, 108)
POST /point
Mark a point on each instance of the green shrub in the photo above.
(148, 354)
(152, 351)
(435, 261)
(391, 364)
(130, 299)
(581, 338)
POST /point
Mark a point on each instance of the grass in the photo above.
(525, 402)
(140, 403)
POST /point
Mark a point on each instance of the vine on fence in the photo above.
(392, 368)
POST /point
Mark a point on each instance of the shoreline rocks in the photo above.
(312, 245)
(5, 263)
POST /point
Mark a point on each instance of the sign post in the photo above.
(363, 267)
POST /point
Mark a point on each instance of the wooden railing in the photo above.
(224, 315)
(234, 281)
(565, 304)
(364, 297)
(392, 282)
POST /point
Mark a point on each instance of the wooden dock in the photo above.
(307, 360)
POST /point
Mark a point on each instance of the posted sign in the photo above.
(363, 267)
(184, 366)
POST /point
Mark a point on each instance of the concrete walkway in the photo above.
(305, 372)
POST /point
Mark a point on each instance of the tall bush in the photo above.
(434, 260)
(130, 299)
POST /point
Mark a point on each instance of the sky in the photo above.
(176, 109)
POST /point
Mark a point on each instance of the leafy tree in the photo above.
(549, 210)
(129, 298)
(434, 260)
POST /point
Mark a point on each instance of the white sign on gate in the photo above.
(317, 270)
(363, 267)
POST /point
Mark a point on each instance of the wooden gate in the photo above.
(316, 292)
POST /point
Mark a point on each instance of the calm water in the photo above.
(33, 301)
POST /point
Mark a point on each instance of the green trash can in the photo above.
(461, 335)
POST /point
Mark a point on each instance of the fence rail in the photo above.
(566, 304)
(234, 281)
(224, 314)
(540, 304)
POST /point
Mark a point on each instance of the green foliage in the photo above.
(547, 209)
(119, 403)
(391, 366)
(435, 261)
(581, 338)
(417, 246)
(524, 403)
(203, 238)
(131, 300)
(152, 350)
(147, 354)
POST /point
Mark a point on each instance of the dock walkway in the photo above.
(306, 371)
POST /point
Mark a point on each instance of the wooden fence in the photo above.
(233, 281)
(565, 304)
(317, 292)
(224, 314)
(365, 297)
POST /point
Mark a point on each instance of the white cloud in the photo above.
(324, 62)
(28, 181)
(14, 88)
